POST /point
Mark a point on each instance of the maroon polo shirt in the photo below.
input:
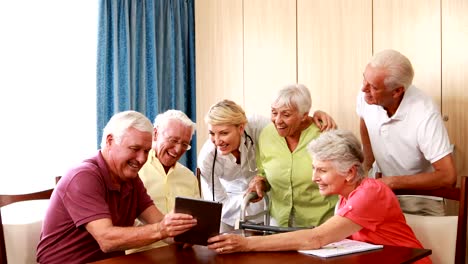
(84, 194)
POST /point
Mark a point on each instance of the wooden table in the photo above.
(200, 254)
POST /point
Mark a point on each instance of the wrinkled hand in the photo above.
(323, 121)
(388, 180)
(228, 243)
(174, 223)
(257, 185)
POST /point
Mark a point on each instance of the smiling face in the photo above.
(171, 141)
(226, 137)
(374, 88)
(126, 158)
(287, 121)
(329, 180)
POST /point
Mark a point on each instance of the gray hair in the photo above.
(226, 112)
(295, 96)
(121, 122)
(398, 67)
(342, 148)
(174, 115)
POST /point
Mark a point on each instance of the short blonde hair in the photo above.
(295, 96)
(226, 112)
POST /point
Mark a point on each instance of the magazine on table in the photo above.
(343, 247)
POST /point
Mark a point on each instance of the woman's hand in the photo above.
(324, 121)
(228, 243)
(257, 185)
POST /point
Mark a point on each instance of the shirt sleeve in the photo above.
(84, 198)
(256, 125)
(433, 138)
(360, 206)
(144, 200)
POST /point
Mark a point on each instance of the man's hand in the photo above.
(174, 224)
(388, 180)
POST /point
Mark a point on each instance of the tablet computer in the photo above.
(208, 215)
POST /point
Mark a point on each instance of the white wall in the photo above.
(47, 90)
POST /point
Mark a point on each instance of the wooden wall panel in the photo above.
(334, 45)
(413, 28)
(247, 50)
(455, 77)
(269, 51)
(219, 56)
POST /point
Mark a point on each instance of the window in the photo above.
(47, 90)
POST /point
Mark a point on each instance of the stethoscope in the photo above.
(248, 161)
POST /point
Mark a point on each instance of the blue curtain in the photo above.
(146, 60)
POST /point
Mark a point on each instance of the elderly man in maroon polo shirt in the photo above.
(95, 204)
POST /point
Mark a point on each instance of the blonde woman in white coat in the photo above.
(227, 159)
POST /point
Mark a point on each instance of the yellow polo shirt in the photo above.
(163, 188)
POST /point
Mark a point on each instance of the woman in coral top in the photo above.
(367, 209)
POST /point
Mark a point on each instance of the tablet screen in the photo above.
(208, 215)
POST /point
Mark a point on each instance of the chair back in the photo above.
(6, 199)
(444, 235)
(198, 179)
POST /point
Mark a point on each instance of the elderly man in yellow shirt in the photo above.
(163, 176)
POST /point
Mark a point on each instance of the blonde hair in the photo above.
(226, 112)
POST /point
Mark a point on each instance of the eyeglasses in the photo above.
(175, 142)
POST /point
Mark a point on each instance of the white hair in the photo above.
(120, 122)
(342, 148)
(295, 96)
(172, 114)
(398, 68)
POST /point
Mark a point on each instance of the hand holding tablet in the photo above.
(208, 215)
